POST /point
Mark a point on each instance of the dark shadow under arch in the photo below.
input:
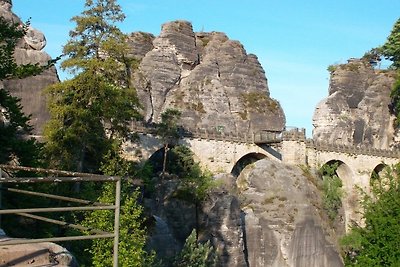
(244, 161)
(377, 173)
(344, 173)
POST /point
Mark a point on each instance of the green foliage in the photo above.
(259, 102)
(168, 131)
(10, 34)
(377, 243)
(395, 95)
(132, 233)
(332, 190)
(14, 125)
(91, 112)
(194, 182)
(332, 68)
(195, 254)
(391, 49)
(13, 130)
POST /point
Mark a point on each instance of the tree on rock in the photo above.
(196, 254)
(391, 49)
(167, 129)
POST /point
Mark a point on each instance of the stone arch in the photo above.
(377, 172)
(156, 158)
(349, 198)
(343, 170)
(246, 160)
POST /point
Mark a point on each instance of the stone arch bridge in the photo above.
(225, 153)
(218, 152)
(221, 152)
(356, 166)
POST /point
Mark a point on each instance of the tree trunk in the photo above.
(196, 206)
(79, 168)
(164, 160)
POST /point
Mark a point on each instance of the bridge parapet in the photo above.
(362, 150)
(294, 134)
(215, 133)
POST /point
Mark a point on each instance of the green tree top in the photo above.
(94, 109)
(97, 44)
(391, 49)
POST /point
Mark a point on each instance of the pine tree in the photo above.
(391, 49)
(93, 109)
(167, 129)
(195, 254)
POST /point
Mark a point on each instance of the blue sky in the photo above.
(295, 41)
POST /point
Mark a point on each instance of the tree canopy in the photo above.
(93, 110)
(391, 49)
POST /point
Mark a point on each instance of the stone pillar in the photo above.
(294, 152)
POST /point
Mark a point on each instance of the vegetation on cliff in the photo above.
(90, 115)
(377, 242)
(391, 51)
(14, 126)
(195, 253)
(332, 190)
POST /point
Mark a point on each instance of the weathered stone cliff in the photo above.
(282, 223)
(269, 216)
(30, 50)
(210, 78)
(357, 110)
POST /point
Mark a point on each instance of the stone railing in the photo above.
(262, 137)
(362, 150)
(294, 134)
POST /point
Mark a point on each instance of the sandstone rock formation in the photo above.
(269, 217)
(357, 110)
(37, 254)
(282, 224)
(210, 78)
(30, 50)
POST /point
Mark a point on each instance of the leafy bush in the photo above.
(195, 254)
(332, 190)
(377, 243)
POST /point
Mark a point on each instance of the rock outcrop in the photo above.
(210, 78)
(37, 254)
(269, 217)
(30, 51)
(282, 224)
(357, 110)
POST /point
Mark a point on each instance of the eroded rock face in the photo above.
(30, 51)
(223, 225)
(357, 110)
(210, 78)
(283, 227)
